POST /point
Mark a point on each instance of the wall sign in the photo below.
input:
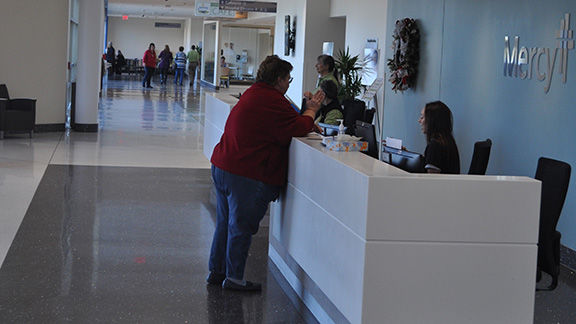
(525, 62)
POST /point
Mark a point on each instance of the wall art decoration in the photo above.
(403, 65)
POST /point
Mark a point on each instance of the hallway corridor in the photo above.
(115, 226)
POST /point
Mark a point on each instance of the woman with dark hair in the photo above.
(441, 155)
(326, 68)
(249, 166)
(165, 62)
(149, 62)
(331, 110)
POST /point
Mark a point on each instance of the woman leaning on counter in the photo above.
(249, 166)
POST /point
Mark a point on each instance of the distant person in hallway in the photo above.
(326, 68)
(180, 63)
(249, 167)
(331, 110)
(165, 62)
(149, 62)
(193, 60)
(223, 61)
(111, 58)
(120, 62)
(441, 155)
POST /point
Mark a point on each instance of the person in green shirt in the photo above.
(326, 68)
(193, 60)
(331, 110)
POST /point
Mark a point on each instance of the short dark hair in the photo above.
(151, 44)
(181, 48)
(273, 68)
(330, 89)
(193, 47)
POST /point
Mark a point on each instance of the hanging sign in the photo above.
(255, 6)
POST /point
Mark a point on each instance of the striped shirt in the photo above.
(180, 60)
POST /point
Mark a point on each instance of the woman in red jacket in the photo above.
(149, 61)
(249, 166)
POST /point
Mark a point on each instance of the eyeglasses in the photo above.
(290, 81)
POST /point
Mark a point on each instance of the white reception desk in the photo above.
(361, 241)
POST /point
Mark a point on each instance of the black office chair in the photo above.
(555, 177)
(367, 132)
(353, 111)
(480, 157)
(16, 115)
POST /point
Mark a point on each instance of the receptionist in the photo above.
(441, 155)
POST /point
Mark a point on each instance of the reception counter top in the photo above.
(365, 242)
(361, 241)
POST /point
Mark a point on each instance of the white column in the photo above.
(90, 36)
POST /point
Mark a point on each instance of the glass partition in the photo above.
(244, 48)
(209, 52)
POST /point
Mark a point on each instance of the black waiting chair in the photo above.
(480, 157)
(555, 177)
(16, 115)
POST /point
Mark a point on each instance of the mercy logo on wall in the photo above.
(542, 60)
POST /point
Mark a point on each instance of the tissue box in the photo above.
(345, 146)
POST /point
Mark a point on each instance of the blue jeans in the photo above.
(179, 75)
(241, 205)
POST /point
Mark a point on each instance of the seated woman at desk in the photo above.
(330, 110)
(441, 155)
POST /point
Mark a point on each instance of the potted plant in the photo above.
(350, 72)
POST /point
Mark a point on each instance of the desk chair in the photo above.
(16, 115)
(480, 157)
(555, 177)
(225, 76)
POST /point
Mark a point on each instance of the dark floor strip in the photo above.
(128, 245)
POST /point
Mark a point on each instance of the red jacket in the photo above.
(257, 135)
(149, 59)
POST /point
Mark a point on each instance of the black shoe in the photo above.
(248, 286)
(215, 278)
(149, 87)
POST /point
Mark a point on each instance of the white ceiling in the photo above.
(174, 9)
(152, 8)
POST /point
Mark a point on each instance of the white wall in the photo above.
(193, 32)
(313, 27)
(365, 19)
(132, 36)
(34, 38)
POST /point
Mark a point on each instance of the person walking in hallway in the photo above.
(111, 58)
(149, 62)
(165, 61)
(120, 62)
(180, 62)
(193, 60)
(249, 167)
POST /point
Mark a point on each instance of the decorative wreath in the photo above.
(406, 46)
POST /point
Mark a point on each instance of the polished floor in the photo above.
(115, 226)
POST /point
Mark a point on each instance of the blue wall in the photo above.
(462, 49)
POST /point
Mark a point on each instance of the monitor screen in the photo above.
(408, 161)
(367, 132)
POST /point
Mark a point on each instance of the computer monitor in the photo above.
(367, 132)
(408, 161)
